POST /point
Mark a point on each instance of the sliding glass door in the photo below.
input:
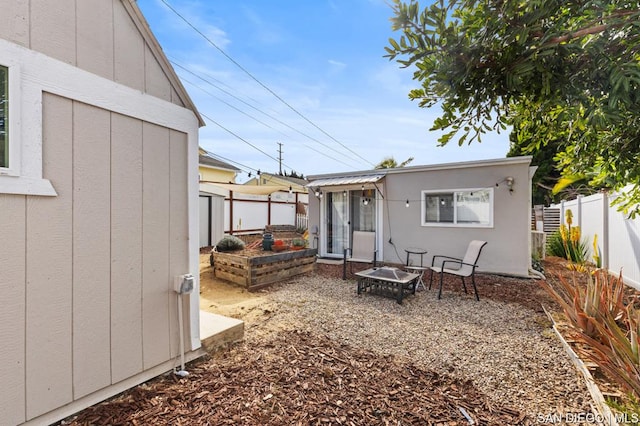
(345, 212)
(337, 219)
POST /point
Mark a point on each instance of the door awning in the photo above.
(346, 180)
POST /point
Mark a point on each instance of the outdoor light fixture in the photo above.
(509, 181)
(290, 190)
(344, 193)
(317, 192)
(407, 204)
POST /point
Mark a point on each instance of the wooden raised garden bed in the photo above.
(256, 271)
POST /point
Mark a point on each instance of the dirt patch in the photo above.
(229, 299)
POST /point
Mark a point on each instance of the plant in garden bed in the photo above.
(567, 242)
(229, 243)
(279, 245)
(299, 243)
(606, 325)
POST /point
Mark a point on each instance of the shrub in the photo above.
(229, 243)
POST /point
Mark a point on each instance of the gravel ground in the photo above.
(315, 352)
(506, 349)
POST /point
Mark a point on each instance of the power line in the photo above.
(233, 107)
(258, 110)
(233, 96)
(242, 139)
(240, 165)
(262, 84)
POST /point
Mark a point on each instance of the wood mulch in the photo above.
(302, 379)
(297, 378)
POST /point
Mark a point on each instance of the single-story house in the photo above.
(297, 185)
(99, 202)
(437, 208)
(211, 169)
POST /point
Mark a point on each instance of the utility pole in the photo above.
(280, 156)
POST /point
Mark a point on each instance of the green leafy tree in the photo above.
(563, 72)
(294, 174)
(547, 174)
(391, 163)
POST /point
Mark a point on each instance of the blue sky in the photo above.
(307, 74)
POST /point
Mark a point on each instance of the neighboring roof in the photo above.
(214, 187)
(297, 181)
(143, 26)
(409, 169)
(347, 180)
(208, 161)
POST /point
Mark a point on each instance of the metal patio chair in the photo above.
(464, 267)
(362, 250)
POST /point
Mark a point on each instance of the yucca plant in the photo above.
(607, 327)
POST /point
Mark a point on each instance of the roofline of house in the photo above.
(290, 179)
(144, 28)
(432, 167)
(228, 169)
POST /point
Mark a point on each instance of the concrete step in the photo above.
(217, 331)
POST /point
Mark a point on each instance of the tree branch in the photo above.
(592, 29)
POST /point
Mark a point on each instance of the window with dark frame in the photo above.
(458, 207)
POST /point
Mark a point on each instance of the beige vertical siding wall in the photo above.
(93, 267)
(49, 270)
(13, 311)
(87, 276)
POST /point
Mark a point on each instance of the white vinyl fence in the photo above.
(236, 213)
(246, 213)
(618, 236)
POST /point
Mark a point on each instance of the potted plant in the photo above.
(298, 243)
(279, 245)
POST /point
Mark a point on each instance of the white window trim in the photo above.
(424, 193)
(24, 174)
